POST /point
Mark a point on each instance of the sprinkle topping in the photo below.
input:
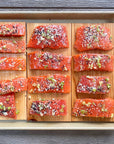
(49, 36)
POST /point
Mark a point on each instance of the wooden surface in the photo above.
(46, 96)
(76, 75)
(57, 137)
(57, 4)
(20, 98)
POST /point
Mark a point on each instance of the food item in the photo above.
(12, 29)
(49, 61)
(49, 36)
(49, 108)
(12, 46)
(50, 83)
(101, 62)
(93, 37)
(15, 85)
(94, 108)
(7, 105)
(12, 63)
(94, 85)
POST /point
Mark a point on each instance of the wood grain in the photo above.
(46, 96)
(20, 98)
(57, 4)
(76, 75)
(57, 136)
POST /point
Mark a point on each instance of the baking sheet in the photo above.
(51, 17)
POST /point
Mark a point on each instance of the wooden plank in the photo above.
(57, 4)
(20, 98)
(46, 96)
(76, 75)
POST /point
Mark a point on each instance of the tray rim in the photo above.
(24, 125)
(54, 12)
(57, 126)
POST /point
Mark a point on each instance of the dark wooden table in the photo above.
(57, 137)
(57, 5)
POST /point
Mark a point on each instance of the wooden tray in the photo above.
(57, 17)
